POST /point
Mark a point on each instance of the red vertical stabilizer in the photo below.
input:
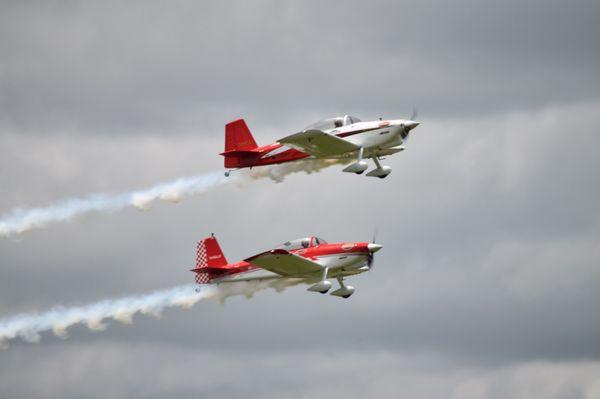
(209, 257)
(240, 146)
(238, 137)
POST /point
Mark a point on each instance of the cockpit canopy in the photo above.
(302, 243)
(333, 123)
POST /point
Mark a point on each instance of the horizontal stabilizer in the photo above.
(240, 153)
(209, 269)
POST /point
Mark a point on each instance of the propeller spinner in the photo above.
(409, 125)
(372, 249)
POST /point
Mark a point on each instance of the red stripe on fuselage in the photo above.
(310, 253)
(258, 158)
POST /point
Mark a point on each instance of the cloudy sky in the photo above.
(488, 284)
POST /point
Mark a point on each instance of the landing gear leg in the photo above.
(376, 160)
(379, 171)
(227, 173)
(359, 166)
(322, 286)
(345, 290)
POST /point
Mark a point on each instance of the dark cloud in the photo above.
(480, 236)
(89, 370)
(190, 66)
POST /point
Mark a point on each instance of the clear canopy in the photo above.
(302, 243)
(333, 123)
(319, 241)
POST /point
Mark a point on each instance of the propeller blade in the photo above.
(411, 124)
(370, 260)
(414, 114)
(371, 254)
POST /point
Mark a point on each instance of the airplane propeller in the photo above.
(414, 114)
(373, 247)
(407, 128)
(370, 260)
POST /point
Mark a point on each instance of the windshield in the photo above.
(333, 123)
(295, 244)
(319, 241)
(326, 124)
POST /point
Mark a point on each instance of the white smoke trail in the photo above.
(29, 326)
(21, 220)
(278, 173)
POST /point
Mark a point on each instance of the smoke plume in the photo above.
(58, 319)
(278, 173)
(21, 220)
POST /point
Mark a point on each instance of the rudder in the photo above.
(209, 256)
(238, 137)
(240, 148)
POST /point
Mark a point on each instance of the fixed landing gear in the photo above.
(227, 173)
(345, 291)
(322, 286)
(359, 166)
(380, 171)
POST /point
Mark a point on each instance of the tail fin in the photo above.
(238, 137)
(209, 256)
(240, 146)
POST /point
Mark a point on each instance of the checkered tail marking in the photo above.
(201, 261)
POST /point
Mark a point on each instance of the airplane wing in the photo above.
(318, 143)
(284, 263)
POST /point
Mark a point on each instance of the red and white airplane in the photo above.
(311, 259)
(343, 137)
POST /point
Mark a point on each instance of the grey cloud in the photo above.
(487, 283)
(89, 370)
(192, 66)
(478, 238)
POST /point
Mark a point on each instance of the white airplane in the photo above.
(342, 137)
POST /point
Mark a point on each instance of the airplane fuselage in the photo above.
(341, 259)
(377, 138)
(310, 260)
